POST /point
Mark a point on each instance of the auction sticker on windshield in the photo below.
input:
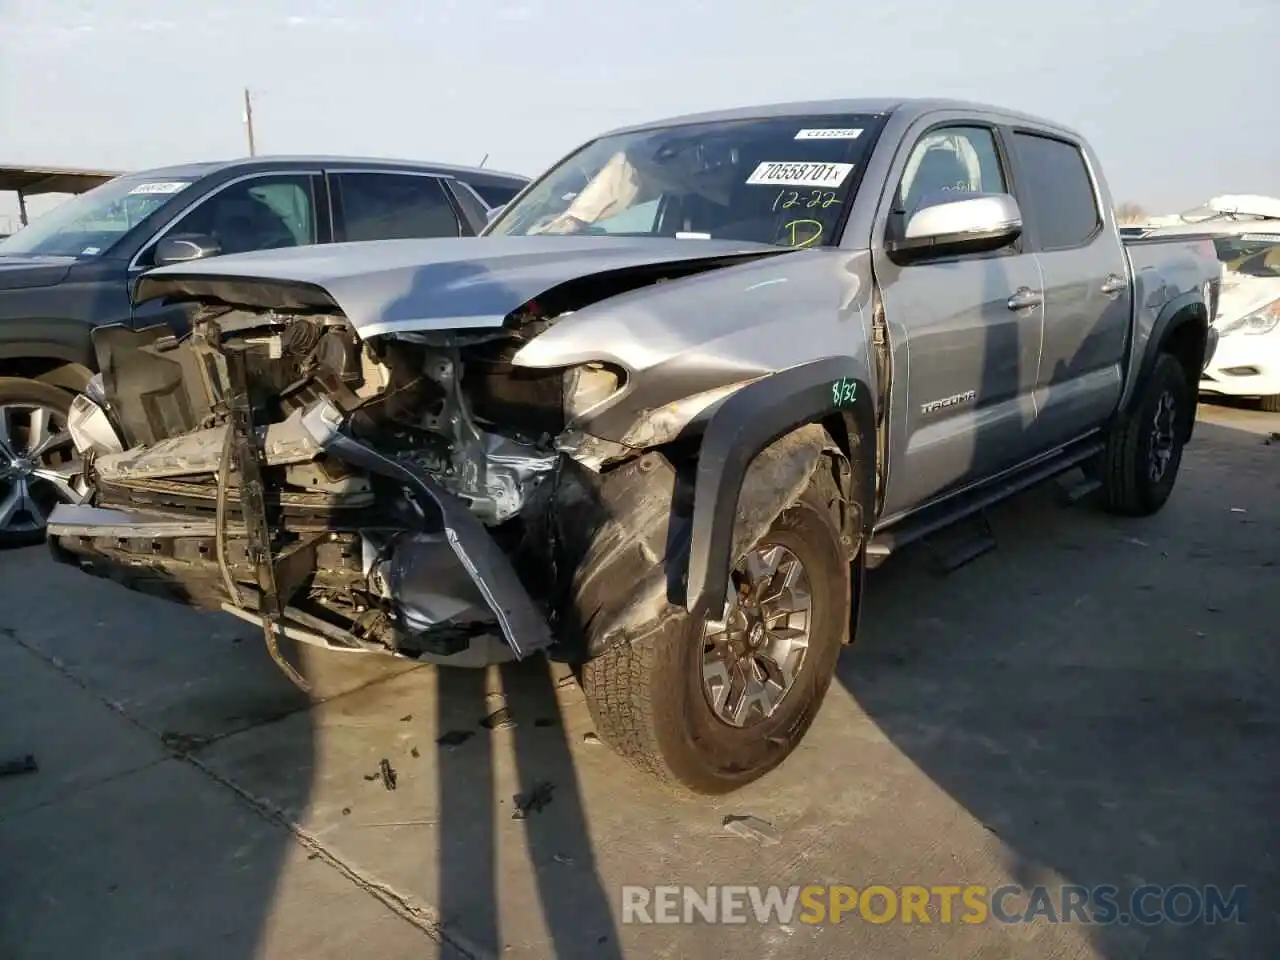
(785, 174)
(167, 186)
(830, 133)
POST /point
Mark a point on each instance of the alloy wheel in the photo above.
(38, 466)
(1164, 424)
(752, 658)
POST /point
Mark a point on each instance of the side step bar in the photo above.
(944, 513)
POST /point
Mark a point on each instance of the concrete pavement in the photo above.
(1092, 703)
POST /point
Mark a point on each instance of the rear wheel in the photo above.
(38, 464)
(710, 707)
(1144, 451)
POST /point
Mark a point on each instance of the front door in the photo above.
(268, 211)
(966, 332)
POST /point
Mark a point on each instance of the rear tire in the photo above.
(651, 699)
(1144, 451)
(1270, 404)
(27, 492)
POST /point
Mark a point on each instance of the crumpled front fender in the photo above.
(626, 536)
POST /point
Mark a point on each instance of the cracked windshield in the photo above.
(784, 181)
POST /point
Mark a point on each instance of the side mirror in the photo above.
(494, 212)
(185, 248)
(976, 224)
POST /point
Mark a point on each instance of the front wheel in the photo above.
(710, 707)
(38, 464)
(1144, 450)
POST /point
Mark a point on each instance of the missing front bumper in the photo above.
(441, 580)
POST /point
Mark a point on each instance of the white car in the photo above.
(1246, 236)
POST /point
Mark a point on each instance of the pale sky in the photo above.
(1178, 96)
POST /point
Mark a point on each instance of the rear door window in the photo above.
(389, 206)
(1054, 182)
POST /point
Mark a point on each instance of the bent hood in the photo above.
(22, 273)
(389, 286)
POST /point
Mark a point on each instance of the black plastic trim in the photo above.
(1177, 313)
(746, 423)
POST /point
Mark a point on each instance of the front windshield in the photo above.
(1250, 254)
(90, 224)
(782, 180)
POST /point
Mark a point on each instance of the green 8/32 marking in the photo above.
(843, 392)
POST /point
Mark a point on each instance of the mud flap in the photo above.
(248, 460)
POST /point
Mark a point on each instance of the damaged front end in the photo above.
(417, 492)
(345, 493)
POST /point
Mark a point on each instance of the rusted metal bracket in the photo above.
(253, 508)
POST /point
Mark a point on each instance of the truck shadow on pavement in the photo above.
(120, 844)
(1099, 694)
(182, 776)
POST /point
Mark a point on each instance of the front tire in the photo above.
(680, 703)
(38, 464)
(1144, 450)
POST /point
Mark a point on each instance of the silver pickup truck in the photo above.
(659, 419)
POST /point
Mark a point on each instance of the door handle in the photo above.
(1113, 284)
(1025, 297)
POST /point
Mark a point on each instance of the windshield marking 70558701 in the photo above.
(789, 174)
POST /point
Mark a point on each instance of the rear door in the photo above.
(391, 205)
(1088, 299)
(966, 329)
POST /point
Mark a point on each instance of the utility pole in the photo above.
(248, 121)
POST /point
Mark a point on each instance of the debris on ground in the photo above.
(1239, 510)
(183, 742)
(11, 768)
(385, 772)
(400, 823)
(591, 738)
(500, 719)
(568, 680)
(346, 811)
(406, 718)
(1136, 542)
(751, 828)
(388, 773)
(535, 801)
(561, 858)
(455, 738)
(413, 752)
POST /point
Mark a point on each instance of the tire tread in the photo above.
(619, 683)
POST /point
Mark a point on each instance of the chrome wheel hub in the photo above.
(752, 658)
(1164, 423)
(38, 466)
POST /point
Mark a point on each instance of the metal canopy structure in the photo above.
(33, 181)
